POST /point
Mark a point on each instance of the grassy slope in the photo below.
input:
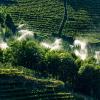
(41, 88)
(41, 15)
(93, 8)
(27, 74)
(45, 16)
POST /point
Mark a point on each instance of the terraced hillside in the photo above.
(16, 87)
(38, 13)
(93, 8)
(46, 15)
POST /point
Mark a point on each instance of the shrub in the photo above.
(2, 19)
(61, 64)
(24, 53)
(79, 63)
(1, 55)
(8, 56)
(89, 80)
(10, 24)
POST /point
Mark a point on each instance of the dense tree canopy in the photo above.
(24, 53)
(89, 77)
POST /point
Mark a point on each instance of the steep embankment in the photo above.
(92, 6)
(40, 15)
(46, 15)
(15, 85)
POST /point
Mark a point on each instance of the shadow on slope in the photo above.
(91, 6)
(8, 2)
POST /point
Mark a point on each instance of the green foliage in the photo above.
(10, 24)
(78, 21)
(45, 16)
(53, 62)
(7, 26)
(1, 55)
(31, 55)
(2, 19)
(61, 64)
(7, 68)
(79, 62)
(90, 60)
(25, 53)
(8, 56)
(89, 77)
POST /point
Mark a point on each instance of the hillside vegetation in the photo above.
(16, 85)
(46, 15)
(41, 65)
(49, 50)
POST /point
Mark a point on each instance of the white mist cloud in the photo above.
(24, 33)
(21, 26)
(97, 56)
(82, 51)
(3, 45)
(57, 45)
